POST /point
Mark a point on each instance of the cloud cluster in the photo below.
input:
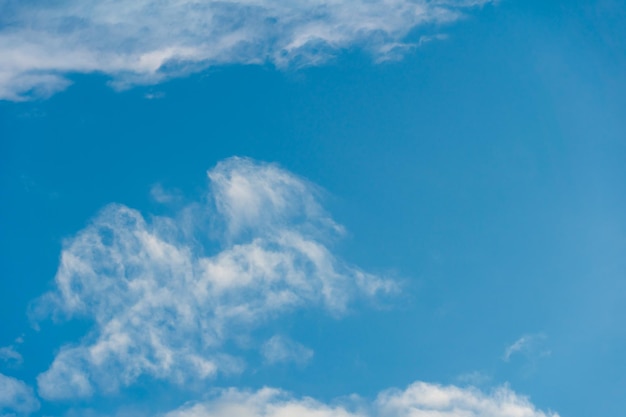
(16, 397)
(146, 41)
(164, 296)
(418, 400)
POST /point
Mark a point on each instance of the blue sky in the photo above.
(364, 208)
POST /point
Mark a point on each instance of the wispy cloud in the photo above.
(163, 302)
(281, 349)
(527, 345)
(147, 41)
(420, 399)
(9, 354)
(16, 397)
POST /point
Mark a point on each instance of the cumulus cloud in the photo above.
(16, 397)
(165, 293)
(418, 400)
(147, 41)
(281, 349)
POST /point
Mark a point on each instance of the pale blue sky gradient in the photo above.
(484, 172)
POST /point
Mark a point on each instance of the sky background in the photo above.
(481, 174)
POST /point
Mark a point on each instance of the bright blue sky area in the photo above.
(485, 171)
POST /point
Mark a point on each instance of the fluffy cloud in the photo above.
(428, 400)
(16, 397)
(146, 41)
(166, 293)
(418, 400)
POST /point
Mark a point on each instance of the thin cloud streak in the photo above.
(527, 344)
(146, 42)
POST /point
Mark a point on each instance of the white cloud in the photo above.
(16, 397)
(281, 349)
(147, 41)
(418, 400)
(527, 345)
(163, 303)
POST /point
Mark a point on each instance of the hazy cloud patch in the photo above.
(10, 355)
(281, 349)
